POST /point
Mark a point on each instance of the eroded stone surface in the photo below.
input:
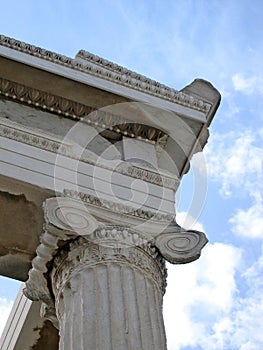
(48, 338)
(21, 225)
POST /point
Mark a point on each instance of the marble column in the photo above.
(109, 296)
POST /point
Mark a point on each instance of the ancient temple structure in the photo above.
(91, 155)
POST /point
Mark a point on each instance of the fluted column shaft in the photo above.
(108, 295)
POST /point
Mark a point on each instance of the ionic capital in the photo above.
(70, 226)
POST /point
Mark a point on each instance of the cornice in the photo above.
(99, 67)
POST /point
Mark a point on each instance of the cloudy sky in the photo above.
(217, 301)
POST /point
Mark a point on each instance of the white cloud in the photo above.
(188, 222)
(199, 294)
(5, 308)
(247, 85)
(248, 223)
(246, 319)
(235, 160)
(204, 308)
(193, 203)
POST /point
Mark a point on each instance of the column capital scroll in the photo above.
(69, 226)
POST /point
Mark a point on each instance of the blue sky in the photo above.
(217, 301)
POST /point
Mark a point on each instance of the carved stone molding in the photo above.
(72, 109)
(15, 132)
(180, 246)
(96, 66)
(103, 248)
(148, 175)
(43, 100)
(118, 208)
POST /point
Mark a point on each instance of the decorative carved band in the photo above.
(68, 108)
(147, 175)
(106, 70)
(117, 207)
(83, 253)
(13, 131)
(44, 100)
